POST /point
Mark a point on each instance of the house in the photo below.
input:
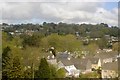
(52, 61)
(63, 55)
(96, 63)
(65, 61)
(72, 71)
(12, 33)
(60, 65)
(109, 70)
(106, 57)
(69, 66)
(84, 65)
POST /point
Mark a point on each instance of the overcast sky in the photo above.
(69, 11)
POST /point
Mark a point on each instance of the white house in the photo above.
(72, 71)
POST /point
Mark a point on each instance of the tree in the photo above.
(61, 73)
(116, 47)
(6, 54)
(53, 72)
(102, 43)
(28, 73)
(16, 70)
(33, 40)
(4, 24)
(11, 64)
(44, 69)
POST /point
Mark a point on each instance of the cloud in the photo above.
(70, 12)
(59, 0)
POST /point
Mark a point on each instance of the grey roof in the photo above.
(78, 63)
(67, 62)
(63, 55)
(94, 60)
(103, 55)
(81, 63)
(110, 66)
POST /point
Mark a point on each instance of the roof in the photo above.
(111, 66)
(63, 55)
(94, 60)
(72, 69)
(66, 62)
(81, 63)
(103, 55)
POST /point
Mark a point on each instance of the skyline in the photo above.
(67, 12)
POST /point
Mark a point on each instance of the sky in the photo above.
(68, 11)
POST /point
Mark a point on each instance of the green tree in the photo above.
(53, 73)
(16, 70)
(33, 40)
(6, 55)
(102, 43)
(44, 69)
(61, 73)
(116, 47)
(11, 64)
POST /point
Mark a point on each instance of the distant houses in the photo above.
(74, 67)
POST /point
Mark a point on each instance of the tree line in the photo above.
(98, 30)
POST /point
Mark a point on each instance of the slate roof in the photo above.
(103, 55)
(66, 62)
(110, 66)
(63, 55)
(81, 63)
(94, 60)
(78, 63)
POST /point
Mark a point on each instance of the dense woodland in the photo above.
(23, 55)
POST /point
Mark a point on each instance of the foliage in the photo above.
(16, 70)
(12, 67)
(61, 73)
(115, 46)
(5, 59)
(28, 73)
(48, 71)
(98, 30)
(31, 41)
(53, 72)
(61, 43)
(44, 69)
(90, 75)
(102, 43)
